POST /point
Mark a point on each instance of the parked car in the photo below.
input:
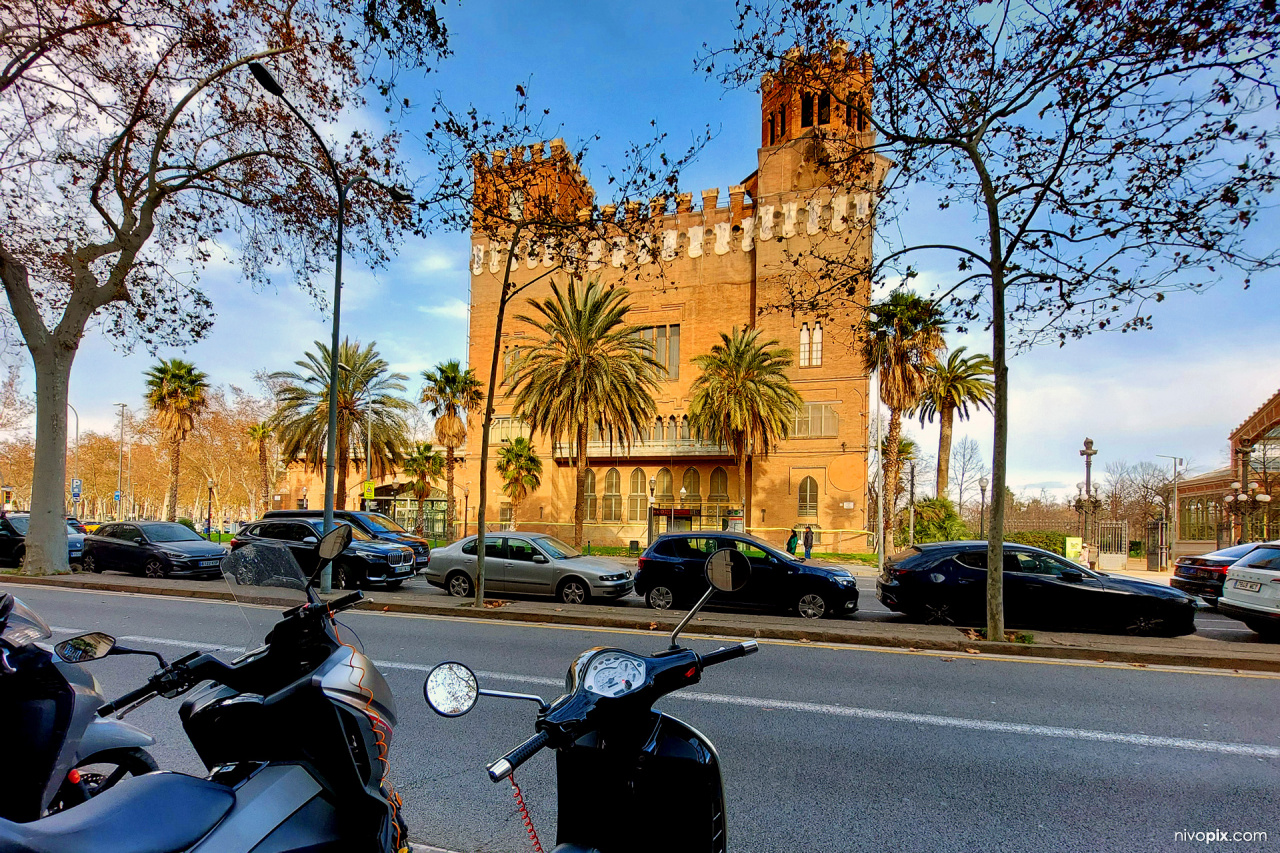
(1203, 575)
(365, 561)
(672, 575)
(13, 540)
(946, 582)
(92, 526)
(531, 563)
(373, 524)
(1251, 592)
(76, 523)
(157, 549)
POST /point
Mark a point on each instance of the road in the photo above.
(823, 748)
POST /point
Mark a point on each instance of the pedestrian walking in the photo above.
(791, 542)
(808, 541)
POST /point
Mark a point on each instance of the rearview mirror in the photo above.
(451, 689)
(728, 570)
(538, 558)
(1072, 576)
(335, 541)
(309, 540)
(86, 647)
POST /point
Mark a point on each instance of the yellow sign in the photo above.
(368, 490)
(1075, 549)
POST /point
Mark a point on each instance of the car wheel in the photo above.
(939, 613)
(22, 559)
(459, 585)
(90, 564)
(812, 606)
(660, 598)
(76, 567)
(573, 591)
(101, 771)
(154, 568)
(1146, 625)
(343, 579)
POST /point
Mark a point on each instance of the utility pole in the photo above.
(1173, 526)
(912, 522)
(120, 473)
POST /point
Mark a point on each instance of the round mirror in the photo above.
(728, 569)
(451, 689)
(335, 541)
(86, 647)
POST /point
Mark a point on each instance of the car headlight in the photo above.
(846, 581)
(618, 577)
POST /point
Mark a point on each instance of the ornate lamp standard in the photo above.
(652, 483)
(1241, 502)
(983, 482)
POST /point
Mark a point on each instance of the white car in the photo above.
(1251, 592)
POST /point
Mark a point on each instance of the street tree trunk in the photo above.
(47, 537)
(344, 459)
(175, 462)
(892, 468)
(742, 482)
(580, 486)
(945, 416)
(449, 518)
(264, 471)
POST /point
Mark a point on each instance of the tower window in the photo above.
(782, 122)
(808, 503)
(804, 345)
(824, 108)
(815, 355)
(806, 110)
(773, 129)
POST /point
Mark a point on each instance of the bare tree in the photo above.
(1104, 155)
(967, 467)
(133, 138)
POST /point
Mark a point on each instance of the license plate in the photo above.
(208, 562)
(1249, 586)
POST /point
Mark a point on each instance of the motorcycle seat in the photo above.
(573, 848)
(154, 813)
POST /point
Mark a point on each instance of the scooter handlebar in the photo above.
(721, 655)
(503, 767)
(127, 699)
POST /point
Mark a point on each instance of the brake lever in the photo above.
(135, 706)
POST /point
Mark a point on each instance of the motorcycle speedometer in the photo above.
(614, 674)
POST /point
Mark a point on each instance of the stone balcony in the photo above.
(684, 448)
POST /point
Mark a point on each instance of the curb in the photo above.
(658, 624)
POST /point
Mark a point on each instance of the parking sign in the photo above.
(117, 494)
(76, 488)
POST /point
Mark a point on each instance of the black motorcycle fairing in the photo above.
(176, 811)
(659, 767)
(36, 709)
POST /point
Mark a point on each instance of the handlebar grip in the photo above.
(750, 647)
(127, 699)
(345, 601)
(503, 767)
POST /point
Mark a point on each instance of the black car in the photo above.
(365, 561)
(946, 583)
(13, 540)
(157, 549)
(672, 574)
(1203, 575)
(375, 525)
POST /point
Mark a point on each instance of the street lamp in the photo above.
(1171, 551)
(208, 524)
(983, 482)
(466, 508)
(1086, 505)
(652, 483)
(1241, 502)
(120, 473)
(267, 82)
(76, 459)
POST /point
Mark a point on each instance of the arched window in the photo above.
(597, 433)
(589, 491)
(659, 433)
(808, 507)
(673, 428)
(516, 205)
(692, 485)
(637, 498)
(612, 508)
(824, 108)
(684, 427)
(804, 344)
(815, 355)
(662, 491)
(719, 486)
(806, 110)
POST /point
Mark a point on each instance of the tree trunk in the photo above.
(580, 486)
(449, 518)
(264, 469)
(344, 459)
(892, 468)
(422, 525)
(175, 462)
(945, 416)
(47, 536)
(742, 483)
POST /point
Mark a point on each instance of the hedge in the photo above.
(1049, 540)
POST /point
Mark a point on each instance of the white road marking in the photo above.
(1250, 750)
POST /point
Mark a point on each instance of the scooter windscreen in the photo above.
(265, 581)
(20, 625)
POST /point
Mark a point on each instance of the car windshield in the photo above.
(556, 549)
(356, 533)
(766, 547)
(1260, 558)
(381, 523)
(171, 532)
(1235, 552)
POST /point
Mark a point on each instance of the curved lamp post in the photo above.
(267, 82)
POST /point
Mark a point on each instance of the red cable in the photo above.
(524, 815)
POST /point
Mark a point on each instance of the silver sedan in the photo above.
(530, 563)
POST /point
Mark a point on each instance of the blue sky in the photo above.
(611, 68)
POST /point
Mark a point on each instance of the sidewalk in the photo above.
(1190, 651)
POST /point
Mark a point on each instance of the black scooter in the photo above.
(295, 735)
(616, 755)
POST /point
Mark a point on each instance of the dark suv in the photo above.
(375, 525)
(672, 574)
(365, 561)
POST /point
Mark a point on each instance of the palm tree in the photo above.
(368, 411)
(177, 393)
(743, 398)
(900, 339)
(424, 464)
(949, 389)
(589, 369)
(521, 472)
(452, 393)
(260, 435)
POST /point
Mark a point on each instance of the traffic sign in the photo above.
(368, 490)
(117, 494)
(77, 486)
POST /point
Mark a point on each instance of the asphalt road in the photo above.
(823, 749)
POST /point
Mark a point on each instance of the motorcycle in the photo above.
(61, 752)
(616, 756)
(295, 735)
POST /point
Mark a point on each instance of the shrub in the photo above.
(1049, 540)
(186, 522)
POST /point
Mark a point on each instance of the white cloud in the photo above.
(453, 309)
